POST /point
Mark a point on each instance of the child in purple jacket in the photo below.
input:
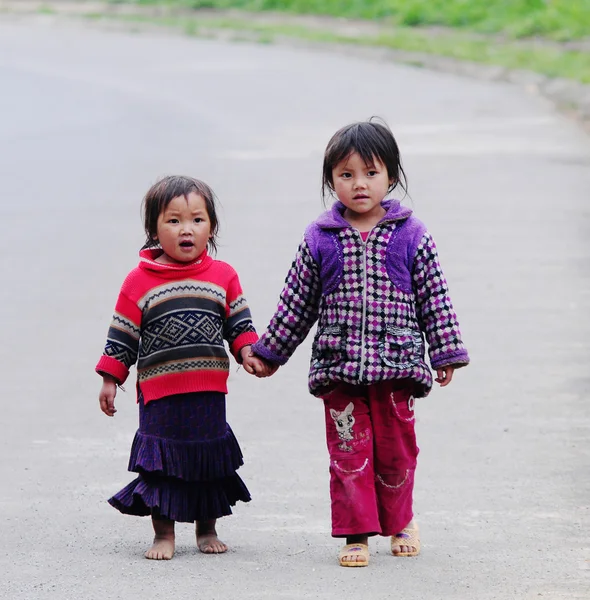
(368, 272)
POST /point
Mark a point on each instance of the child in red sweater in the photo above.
(174, 311)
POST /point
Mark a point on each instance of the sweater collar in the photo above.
(334, 219)
(147, 262)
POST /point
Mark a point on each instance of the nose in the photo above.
(359, 183)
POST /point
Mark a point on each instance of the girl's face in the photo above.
(183, 229)
(361, 187)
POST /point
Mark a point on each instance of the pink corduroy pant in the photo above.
(373, 452)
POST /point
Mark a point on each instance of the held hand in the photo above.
(107, 395)
(256, 365)
(267, 369)
(444, 375)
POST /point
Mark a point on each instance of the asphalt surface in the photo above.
(89, 118)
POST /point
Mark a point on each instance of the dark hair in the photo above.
(163, 192)
(371, 140)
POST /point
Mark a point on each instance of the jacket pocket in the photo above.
(328, 348)
(401, 348)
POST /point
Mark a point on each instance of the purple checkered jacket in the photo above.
(374, 301)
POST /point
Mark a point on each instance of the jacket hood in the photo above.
(333, 218)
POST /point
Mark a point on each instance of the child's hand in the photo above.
(256, 365)
(444, 375)
(107, 396)
(268, 368)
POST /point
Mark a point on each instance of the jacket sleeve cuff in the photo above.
(260, 350)
(113, 367)
(457, 359)
(245, 339)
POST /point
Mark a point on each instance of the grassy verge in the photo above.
(554, 19)
(551, 60)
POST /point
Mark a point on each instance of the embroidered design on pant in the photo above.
(394, 487)
(344, 421)
(411, 403)
(335, 463)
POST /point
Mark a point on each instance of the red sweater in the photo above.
(173, 320)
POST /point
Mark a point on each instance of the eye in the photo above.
(198, 220)
(345, 175)
(172, 221)
(372, 173)
(340, 423)
(350, 418)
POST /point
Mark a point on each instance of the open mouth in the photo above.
(360, 197)
(186, 244)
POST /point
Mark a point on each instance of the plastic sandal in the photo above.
(361, 551)
(406, 537)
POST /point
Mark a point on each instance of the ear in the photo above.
(334, 413)
(348, 410)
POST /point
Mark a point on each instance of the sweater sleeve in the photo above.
(296, 312)
(122, 345)
(239, 330)
(435, 310)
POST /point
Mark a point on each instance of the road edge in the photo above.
(568, 96)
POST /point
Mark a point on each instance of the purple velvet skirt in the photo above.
(186, 456)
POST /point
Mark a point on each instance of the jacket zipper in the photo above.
(364, 314)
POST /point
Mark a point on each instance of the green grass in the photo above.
(550, 60)
(555, 19)
(46, 10)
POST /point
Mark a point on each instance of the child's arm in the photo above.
(238, 328)
(296, 312)
(120, 351)
(436, 314)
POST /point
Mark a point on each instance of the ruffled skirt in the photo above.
(186, 457)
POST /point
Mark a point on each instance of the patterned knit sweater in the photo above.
(172, 320)
(374, 302)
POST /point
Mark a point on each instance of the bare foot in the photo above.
(356, 557)
(163, 546)
(400, 547)
(207, 540)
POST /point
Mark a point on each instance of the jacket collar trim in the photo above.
(333, 218)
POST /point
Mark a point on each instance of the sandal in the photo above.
(406, 537)
(361, 551)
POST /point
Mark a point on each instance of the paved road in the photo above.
(90, 118)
